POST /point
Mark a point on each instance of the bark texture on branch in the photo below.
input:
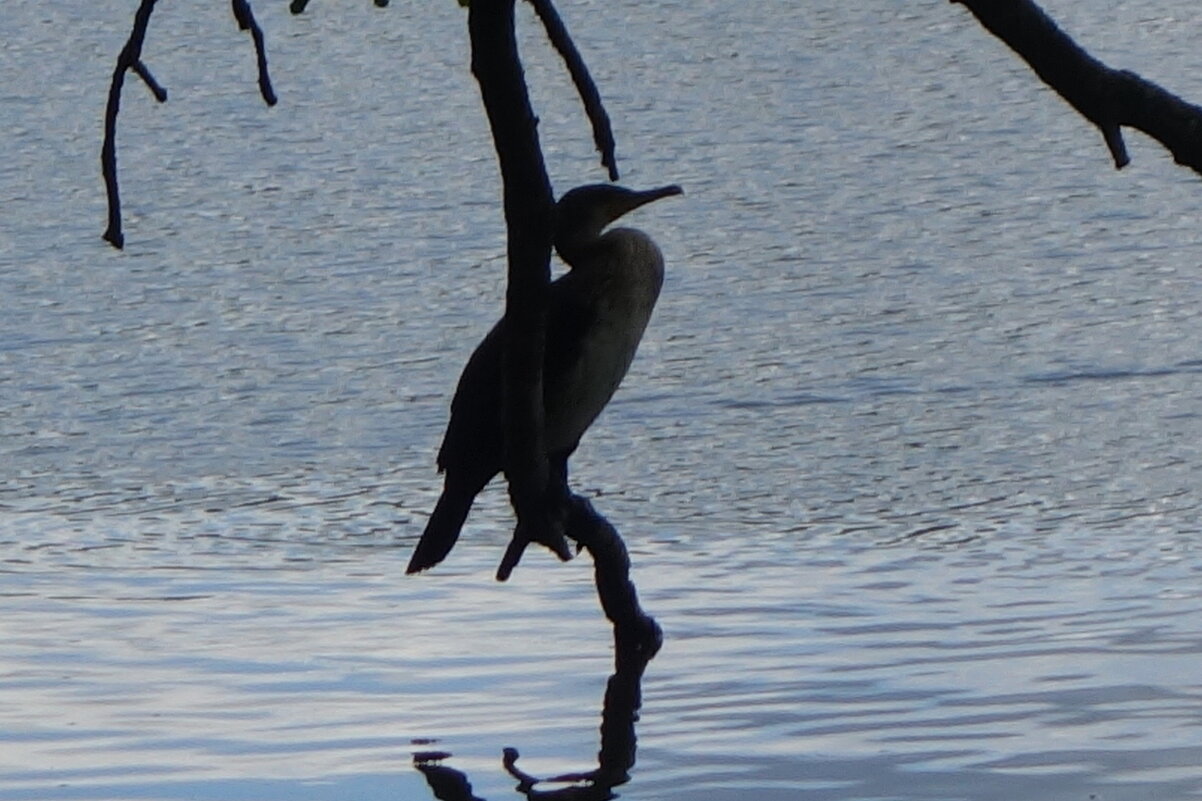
(1107, 97)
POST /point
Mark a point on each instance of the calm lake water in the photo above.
(910, 465)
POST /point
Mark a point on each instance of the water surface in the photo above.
(908, 464)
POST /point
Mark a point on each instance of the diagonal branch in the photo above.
(633, 628)
(156, 89)
(246, 21)
(557, 32)
(130, 58)
(1107, 97)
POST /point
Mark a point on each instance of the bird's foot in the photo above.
(549, 534)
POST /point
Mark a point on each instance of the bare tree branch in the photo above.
(156, 89)
(633, 628)
(130, 58)
(246, 21)
(1106, 97)
(557, 32)
(529, 217)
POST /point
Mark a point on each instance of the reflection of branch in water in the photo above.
(447, 784)
(619, 712)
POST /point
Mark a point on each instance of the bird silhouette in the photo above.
(596, 315)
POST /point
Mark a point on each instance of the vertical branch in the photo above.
(130, 58)
(529, 209)
(246, 22)
(619, 742)
(557, 32)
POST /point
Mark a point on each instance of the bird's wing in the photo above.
(473, 435)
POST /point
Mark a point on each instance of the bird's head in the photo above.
(584, 212)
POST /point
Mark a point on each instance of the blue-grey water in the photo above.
(909, 464)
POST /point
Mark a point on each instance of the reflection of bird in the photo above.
(597, 313)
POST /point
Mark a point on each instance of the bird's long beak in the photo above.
(631, 200)
(648, 195)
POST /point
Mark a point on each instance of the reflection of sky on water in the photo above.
(908, 464)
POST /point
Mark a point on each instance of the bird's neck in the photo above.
(622, 269)
(579, 244)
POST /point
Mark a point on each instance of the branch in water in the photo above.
(246, 22)
(130, 58)
(1107, 97)
(557, 32)
(633, 628)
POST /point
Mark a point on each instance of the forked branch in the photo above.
(130, 58)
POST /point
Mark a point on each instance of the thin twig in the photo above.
(129, 58)
(557, 32)
(246, 22)
(156, 89)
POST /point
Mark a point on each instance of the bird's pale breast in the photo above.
(622, 289)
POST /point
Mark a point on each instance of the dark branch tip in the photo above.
(1113, 135)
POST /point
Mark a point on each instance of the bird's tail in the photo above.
(442, 530)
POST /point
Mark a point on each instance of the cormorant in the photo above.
(596, 315)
